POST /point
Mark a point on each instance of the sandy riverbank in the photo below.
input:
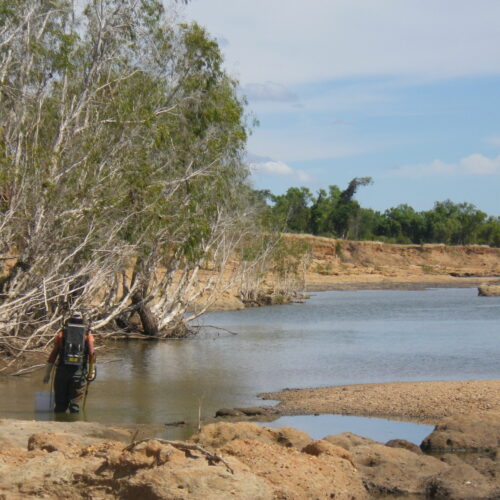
(246, 461)
(424, 402)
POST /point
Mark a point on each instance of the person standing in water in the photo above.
(74, 356)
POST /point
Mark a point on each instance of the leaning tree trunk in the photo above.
(148, 319)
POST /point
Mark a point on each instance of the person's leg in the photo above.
(61, 388)
(77, 390)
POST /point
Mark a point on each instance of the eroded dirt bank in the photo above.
(337, 263)
(332, 264)
(246, 461)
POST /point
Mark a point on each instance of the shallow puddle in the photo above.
(378, 429)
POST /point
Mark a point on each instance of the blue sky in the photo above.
(404, 91)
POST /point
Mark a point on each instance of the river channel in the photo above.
(334, 338)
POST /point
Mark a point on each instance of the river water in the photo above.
(334, 338)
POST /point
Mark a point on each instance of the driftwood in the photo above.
(180, 445)
(24, 371)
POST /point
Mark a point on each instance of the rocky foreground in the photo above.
(54, 460)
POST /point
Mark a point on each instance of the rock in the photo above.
(194, 481)
(394, 471)
(245, 461)
(38, 474)
(252, 411)
(52, 442)
(451, 459)
(322, 447)
(154, 469)
(295, 475)
(258, 471)
(239, 412)
(217, 435)
(489, 466)
(148, 454)
(16, 432)
(348, 440)
(159, 471)
(489, 290)
(473, 432)
(461, 482)
(402, 443)
(228, 412)
(290, 437)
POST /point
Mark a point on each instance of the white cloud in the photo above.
(277, 169)
(475, 164)
(273, 168)
(319, 40)
(479, 164)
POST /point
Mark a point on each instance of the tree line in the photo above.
(335, 213)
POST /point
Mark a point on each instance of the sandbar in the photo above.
(422, 402)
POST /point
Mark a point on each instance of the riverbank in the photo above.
(335, 264)
(330, 261)
(459, 460)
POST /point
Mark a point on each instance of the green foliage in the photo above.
(293, 209)
(324, 269)
(336, 214)
(403, 225)
(121, 139)
(489, 232)
(331, 214)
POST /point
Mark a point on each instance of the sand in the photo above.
(423, 402)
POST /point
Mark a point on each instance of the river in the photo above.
(334, 338)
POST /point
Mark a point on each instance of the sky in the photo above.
(404, 91)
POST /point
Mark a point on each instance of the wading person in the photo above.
(74, 356)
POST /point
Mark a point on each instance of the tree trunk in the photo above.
(148, 319)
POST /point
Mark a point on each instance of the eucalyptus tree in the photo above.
(293, 208)
(121, 140)
(347, 212)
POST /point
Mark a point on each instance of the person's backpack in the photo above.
(74, 343)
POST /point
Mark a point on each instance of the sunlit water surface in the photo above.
(334, 338)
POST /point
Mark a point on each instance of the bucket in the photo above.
(44, 401)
